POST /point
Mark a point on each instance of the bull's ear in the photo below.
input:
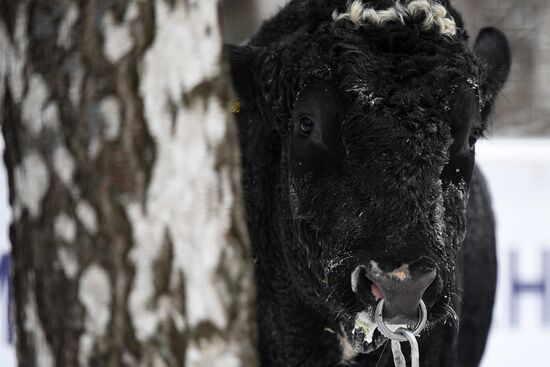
(241, 62)
(493, 52)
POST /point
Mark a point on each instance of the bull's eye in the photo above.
(306, 125)
(314, 130)
(474, 136)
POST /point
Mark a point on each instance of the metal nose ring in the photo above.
(379, 318)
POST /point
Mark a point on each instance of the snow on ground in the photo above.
(518, 172)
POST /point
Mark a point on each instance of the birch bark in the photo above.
(129, 239)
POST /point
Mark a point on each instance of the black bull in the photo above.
(358, 146)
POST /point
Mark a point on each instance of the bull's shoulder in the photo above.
(477, 272)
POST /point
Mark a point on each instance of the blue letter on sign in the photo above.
(540, 288)
(5, 284)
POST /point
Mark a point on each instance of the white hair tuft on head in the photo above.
(434, 14)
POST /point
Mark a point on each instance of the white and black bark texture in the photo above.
(129, 240)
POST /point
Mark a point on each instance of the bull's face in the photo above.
(378, 194)
(378, 143)
(381, 156)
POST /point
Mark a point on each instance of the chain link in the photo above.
(402, 334)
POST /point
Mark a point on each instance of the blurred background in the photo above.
(515, 158)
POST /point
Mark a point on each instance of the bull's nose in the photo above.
(402, 288)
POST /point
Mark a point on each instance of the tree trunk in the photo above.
(129, 240)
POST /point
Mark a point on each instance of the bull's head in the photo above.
(376, 108)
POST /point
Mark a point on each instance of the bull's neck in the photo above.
(291, 334)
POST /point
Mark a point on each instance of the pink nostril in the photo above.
(376, 292)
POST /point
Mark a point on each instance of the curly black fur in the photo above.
(381, 169)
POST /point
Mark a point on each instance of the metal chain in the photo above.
(402, 334)
(398, 357)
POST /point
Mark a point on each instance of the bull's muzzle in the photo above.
(401, 288)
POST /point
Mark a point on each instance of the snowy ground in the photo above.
(519, 176)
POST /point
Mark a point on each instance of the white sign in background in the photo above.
(518, 172)
(7, 353)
